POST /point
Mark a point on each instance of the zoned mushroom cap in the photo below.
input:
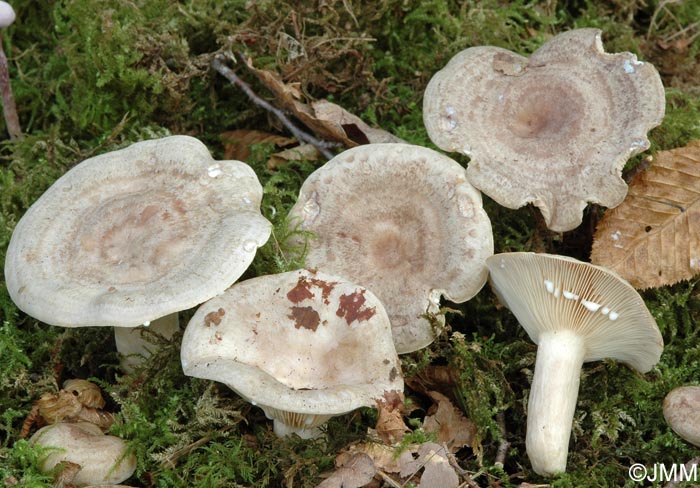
(682, 412)
(554, 130)
(102, 458)
(403, 221)
(130, 236)
(300, 342)
(548, 292)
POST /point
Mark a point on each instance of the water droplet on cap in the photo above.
(311, 208)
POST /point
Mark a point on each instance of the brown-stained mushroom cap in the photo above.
(102, 458)
(136, 234)
(682, 412)
(554, 129)
(404, 222)
(303, 346)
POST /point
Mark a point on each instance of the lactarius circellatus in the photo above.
(303, 346)
(554, 129)
(403, 221)
(575, 312)
(133, 236)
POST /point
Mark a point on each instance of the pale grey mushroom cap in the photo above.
(298, 344)
(102, 458)
(7, 15)
(554, 129)
(136, 234)
(682, 412)
(548, 293)
(403, 221)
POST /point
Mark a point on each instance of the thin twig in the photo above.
(9, 109)
(388, 479)
(468, 480)
(172, 459)
(503, 447)
(228, 73)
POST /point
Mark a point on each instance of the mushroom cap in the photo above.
(682, 412)
(404, 222)
(554, 129)
(548, 293)
(132, 235)
(299, 342)
(7, 15)
(102, 458)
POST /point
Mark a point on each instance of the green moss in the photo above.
(88, 83)
(18, 467)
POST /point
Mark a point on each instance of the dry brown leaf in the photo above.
(679, 45)
(384, 456)
(355, 472)
(390, 425)
(653, 238)
(86, 392)
(304, 152)
(72, 404)
(326, 119)
(348, 126)
(437, 470)
(66, 472)
(452, 428)
(55, 407)
(443, 379)
(237, 143)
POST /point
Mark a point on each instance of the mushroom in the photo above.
(304, 346)
(103, 459)
(404, 222)
(136, 235)
(554, 129)
(575, 312)
(682, 412)
(9, 109)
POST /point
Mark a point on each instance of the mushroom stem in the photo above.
(9, 109)
(552, 400)
(134, 348)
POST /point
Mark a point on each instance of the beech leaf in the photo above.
(452, 428)
(326, 119)
(237, 143)
(390, 425)
(653, 238)
(437, 471)
(355, 472)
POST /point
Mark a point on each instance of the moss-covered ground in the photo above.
(91, 76)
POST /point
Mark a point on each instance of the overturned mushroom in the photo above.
(554, 129)
(302, 346)
(403, 221)
(101, 459)
(134, 236)
(575, 312)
